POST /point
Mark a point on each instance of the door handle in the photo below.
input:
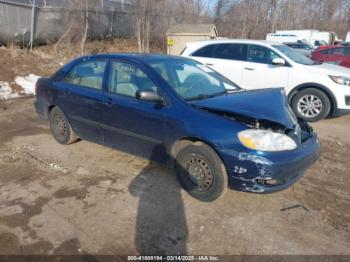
(208, 64)
(249, 68)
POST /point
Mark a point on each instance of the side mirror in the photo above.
(148, 95)
(279, 61)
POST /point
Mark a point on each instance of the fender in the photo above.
(323, 88)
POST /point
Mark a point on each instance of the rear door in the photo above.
(81, 98)
(224, 58)
(130, 124)
(259, 72)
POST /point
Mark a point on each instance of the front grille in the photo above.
(347, 100)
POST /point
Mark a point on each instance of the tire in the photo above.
(60, 127)
(201, 160)
(311, 104)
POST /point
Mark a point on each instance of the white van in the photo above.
(347, 37)
(283, 38)
(314, 90)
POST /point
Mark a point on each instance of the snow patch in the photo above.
(6, 91)
(27, 83)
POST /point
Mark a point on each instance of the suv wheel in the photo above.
(311, 104)
(201, 172)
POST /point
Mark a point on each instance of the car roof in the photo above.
(325, 47)
(234, 41)
(137, 57)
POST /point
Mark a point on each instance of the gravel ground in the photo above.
(89, 199)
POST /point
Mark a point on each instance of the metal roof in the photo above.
(192, 29)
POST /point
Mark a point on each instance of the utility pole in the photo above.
(32, 22)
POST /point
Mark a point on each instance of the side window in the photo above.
(325, 52)
(88, 74)
(230, 51)
(206, 51)
(347, 51)
(127, 79)
(260, 54)
(338, 51)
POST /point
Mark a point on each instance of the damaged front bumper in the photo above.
(267, 172)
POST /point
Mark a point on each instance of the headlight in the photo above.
(341, 80)
(264, 140)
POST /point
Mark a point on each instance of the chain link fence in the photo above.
(108, 18)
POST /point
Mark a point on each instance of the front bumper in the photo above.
(263, 172)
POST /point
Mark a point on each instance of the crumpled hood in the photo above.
(329, 69)
(263, 104)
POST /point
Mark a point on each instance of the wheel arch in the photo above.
(185, 141)
(320, 87)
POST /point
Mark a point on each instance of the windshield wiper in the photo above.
(204, 96)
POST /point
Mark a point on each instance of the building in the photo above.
(180, 34)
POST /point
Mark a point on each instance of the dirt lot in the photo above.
(86, 198)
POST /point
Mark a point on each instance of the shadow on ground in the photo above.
(161, 227)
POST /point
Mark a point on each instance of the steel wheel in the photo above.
(310, 106)
(59, 126)
(199, 172)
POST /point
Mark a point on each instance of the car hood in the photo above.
(329, 69)
(263, 104)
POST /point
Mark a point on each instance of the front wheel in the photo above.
(311, 104)
(201, 172)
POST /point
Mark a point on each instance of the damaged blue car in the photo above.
(179, 112)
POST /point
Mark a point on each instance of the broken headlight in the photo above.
(265, 140)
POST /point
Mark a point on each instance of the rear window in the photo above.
(87, 74)
(223, 51)
(207, 51)
(231, 51)
(337, 51)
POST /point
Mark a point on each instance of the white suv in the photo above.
(314, 90)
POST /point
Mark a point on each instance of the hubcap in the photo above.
(310, 106)
(199, 172)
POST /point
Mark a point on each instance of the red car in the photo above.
(339, 55)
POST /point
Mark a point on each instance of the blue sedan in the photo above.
(178, 112)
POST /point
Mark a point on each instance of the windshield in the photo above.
(192, 80)
(293, 55)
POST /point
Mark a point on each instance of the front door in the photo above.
(130, 124)
(259, 72)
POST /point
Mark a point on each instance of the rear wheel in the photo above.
(201, 172)
(60, 127)
(311, 104)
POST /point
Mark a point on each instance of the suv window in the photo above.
(127, 79)
(206, 51)
(87, 74)
(338, 51)
(231, 51)
(260, 54)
